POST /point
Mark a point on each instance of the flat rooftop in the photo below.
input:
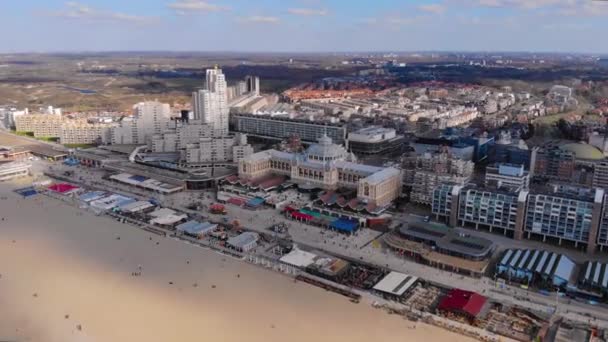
(23, 144)
(395, 283)
(431, 256)
(448, 239)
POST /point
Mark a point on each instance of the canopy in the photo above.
(344, 225)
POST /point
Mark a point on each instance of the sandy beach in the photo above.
(66, 275)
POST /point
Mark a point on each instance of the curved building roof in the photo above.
(326, 150)
(583, 151)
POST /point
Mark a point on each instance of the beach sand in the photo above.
(66, 276)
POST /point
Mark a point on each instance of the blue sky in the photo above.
(304, 25)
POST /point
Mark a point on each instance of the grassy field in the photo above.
(82, 146)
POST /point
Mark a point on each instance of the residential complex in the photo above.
(279, 128)
(148, 118)
(423, 173)
(80, 132)
(217, 149)
(210, 104)
(562, 213)
(41, 125)
(204, 140)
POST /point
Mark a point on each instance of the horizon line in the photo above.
(321, 52)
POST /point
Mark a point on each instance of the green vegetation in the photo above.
(79, 145)
(25, 134)
(48, 139)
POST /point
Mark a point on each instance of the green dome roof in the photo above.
(583, 151)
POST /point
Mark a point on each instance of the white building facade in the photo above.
(151, 117)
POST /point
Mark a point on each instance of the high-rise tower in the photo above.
(210, 104)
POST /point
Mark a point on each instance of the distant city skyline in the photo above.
(305, 25)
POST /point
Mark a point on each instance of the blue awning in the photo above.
(345, 225)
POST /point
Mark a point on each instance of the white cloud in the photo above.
(308, 11)
(260, 19)
(433, 8)
(76, 10)
(524, 4)
(581, 8)
(586, 9)
(189, 6)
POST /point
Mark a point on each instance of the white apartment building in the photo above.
(210, 105)
(41, 125)
(218, 149)
(423, 173)
(11, 114)
(150, 118)
(76, 132)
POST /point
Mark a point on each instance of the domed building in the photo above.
(328, 166)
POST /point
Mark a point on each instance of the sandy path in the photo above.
(56, 260)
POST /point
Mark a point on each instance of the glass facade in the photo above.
(559, 217)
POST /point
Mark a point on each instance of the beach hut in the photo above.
(136, 207)
(196, 229)
(91, 196)
(244, 242)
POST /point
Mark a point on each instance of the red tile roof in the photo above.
(462, 301)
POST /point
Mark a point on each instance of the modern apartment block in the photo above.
(41, 125)
(218, 149)
(600, 175)
(279, 128)
(78, 132)
(560, 213)
(149, 118)
(566, 213)
(210, 105)
(423, 173)
(494, 208)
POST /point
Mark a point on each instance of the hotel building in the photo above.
(326, 165)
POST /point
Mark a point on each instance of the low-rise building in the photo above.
(529, 266)
(374, 140)
(13, 169)
(511, 175)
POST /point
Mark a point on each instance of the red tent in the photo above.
(464, 302)
(62, 188)
(301, 216)
(237, 201)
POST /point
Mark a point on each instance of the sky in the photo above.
(304, 25)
